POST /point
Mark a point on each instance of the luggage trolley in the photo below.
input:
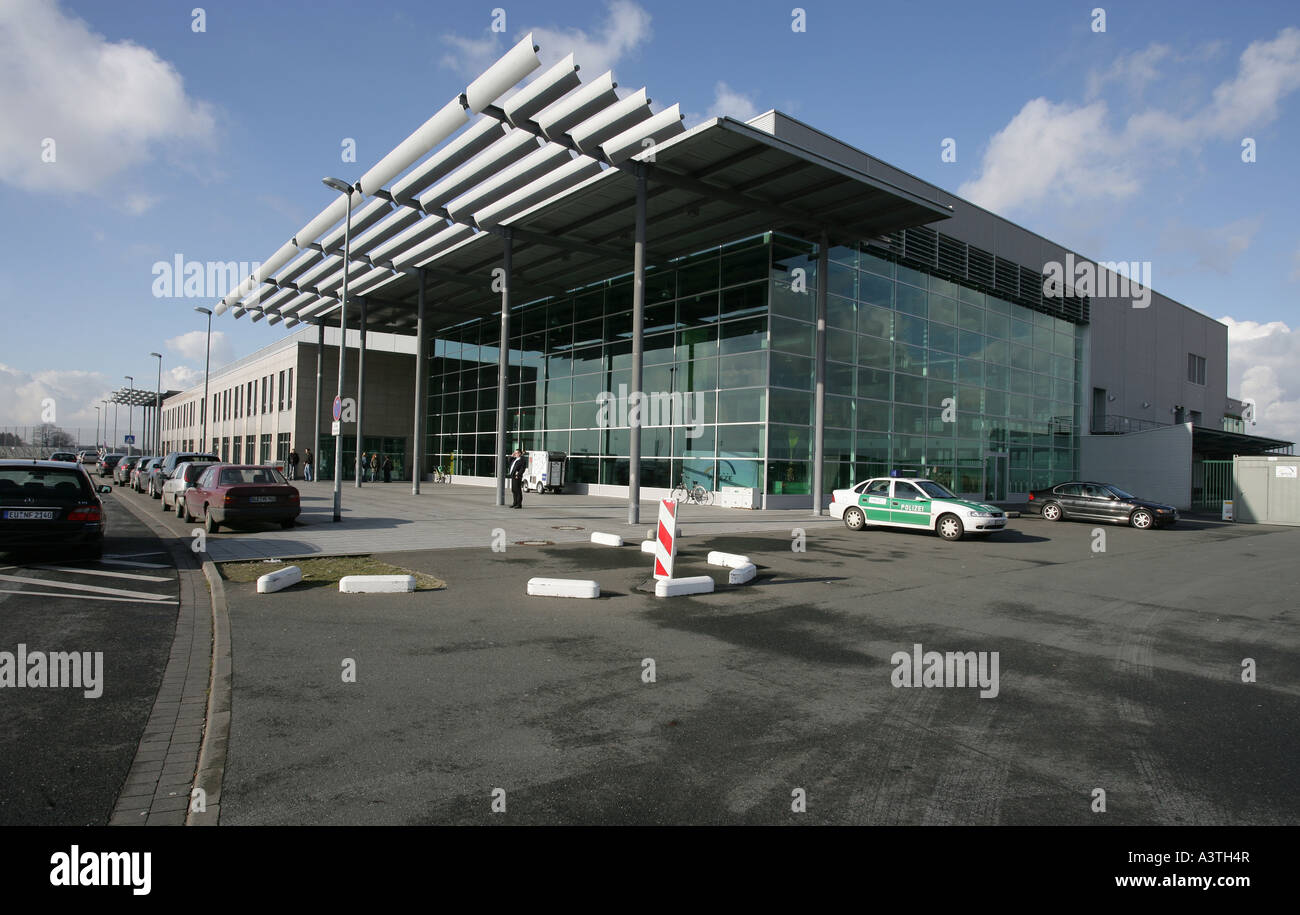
(545, 471)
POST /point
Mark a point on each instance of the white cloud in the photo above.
(192, 347)
(1216, 248)
(1261, 366)
(727, 102)
(74, 394)
(1133, 71)
(1053, 152)
(625, 28)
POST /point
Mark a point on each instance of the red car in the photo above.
(241, 493)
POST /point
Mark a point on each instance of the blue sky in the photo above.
(1124, 144)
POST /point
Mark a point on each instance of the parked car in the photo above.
(46, 503)
(162, 472)
(104, 466)
(914, 502)
(182, 478)
(87, 457)
(139, 471)
(66, 456)
(240, 493)
(1088, 501)
(122, 469)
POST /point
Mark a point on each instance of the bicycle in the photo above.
(697, 494)
(441, 476)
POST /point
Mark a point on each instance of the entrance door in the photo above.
(995, 476)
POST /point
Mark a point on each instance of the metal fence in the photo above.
(38, 441)
(1211, 484)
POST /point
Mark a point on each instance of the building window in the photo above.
(237, 454)
(266, 449)
(288, 396)
(1195, 368)
(282, 447)
(280, 399)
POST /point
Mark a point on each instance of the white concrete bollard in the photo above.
(606, 539)
(376, 584)
(675, 587)
(279, 580)
(563, 587)
(727, 560)
(741, 574)
(648, 546)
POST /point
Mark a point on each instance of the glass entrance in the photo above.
(995, 476)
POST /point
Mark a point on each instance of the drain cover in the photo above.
(534, 543)
(566, 527)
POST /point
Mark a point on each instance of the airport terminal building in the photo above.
(807, 315)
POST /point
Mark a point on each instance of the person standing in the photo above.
(365, 466)
(374, 467)
(293, 463)
(517, 468)
(388, 469)
(306, 465)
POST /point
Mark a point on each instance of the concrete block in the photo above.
(279, 580)
(727, 560)
(676, 587)
(376, 584)
(648, 546)
(563, 587)
(606, 539)
(741, 574)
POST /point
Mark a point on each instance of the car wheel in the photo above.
(854, 519)
(1052, 512)
(180, 510)
(209, 523)
(950, 527)
(1141, 519)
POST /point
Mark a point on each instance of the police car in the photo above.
(917, 503)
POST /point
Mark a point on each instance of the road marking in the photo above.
(135, 565)
(102, 572)
(93, 589)
(124, 600)
(133, 555)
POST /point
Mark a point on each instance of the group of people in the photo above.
(371, 466)
(293, 462)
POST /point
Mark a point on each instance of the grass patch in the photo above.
(325, 571)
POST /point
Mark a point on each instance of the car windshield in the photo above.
(1121, 493)
(39, 483)
(934, 490)
(234, 476)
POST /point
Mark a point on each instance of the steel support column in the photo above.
(421, 376)
(819, 396)
(503, 362)
(315, 442)
(637, 398)
(361, 389)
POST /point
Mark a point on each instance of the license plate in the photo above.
(29, 515)
(261, 498)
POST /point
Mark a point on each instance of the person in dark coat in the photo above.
(293, 464)
(388, 469)
(306, 466)
(516, 474)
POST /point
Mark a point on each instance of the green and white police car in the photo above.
(914, 502)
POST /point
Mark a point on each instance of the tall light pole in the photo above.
(130, 412)
(96, 428)
(207, 357)
(345, 189)
(114, 421)
(157, 407)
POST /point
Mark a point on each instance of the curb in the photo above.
(178, 750)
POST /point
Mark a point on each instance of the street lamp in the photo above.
(346, 189)
(207, 356)
(96, 428)
(130, 413)
(157, 407)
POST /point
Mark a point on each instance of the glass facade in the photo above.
(922, 375)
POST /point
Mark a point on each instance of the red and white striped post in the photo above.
(666, 546)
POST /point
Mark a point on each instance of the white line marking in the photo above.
(134, 555)
(124, 600)
(134, 565)
(102, 572)
(94, 589)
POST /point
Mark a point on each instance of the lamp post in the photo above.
(207, 357)
(96, 428)
(157, 407)
(130, 412)
(346, 189)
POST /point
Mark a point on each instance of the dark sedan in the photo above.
(122, 469)
(1084, 501)
(240, 493)
(47, 503)
(140, 472)
(104, 466)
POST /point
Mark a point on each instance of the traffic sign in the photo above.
(128, 439)
(338, 409)
(335, 427)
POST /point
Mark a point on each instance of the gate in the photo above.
(1211, 484)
